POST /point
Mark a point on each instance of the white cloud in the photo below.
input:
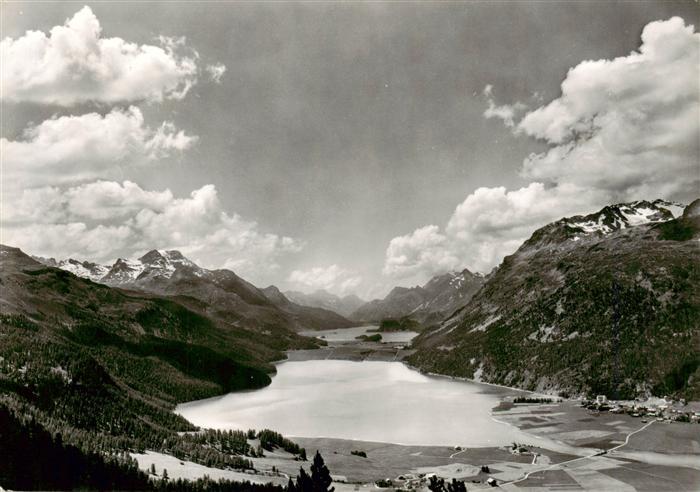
(420, 253)
(72, 239)
(628, 125)
(493, 222)
(331, 278)
(99, 200)
(488, 225)
(622, 129)
(74, 64)
(103, 220)
(505, 112)
(216, 71)
(199, 227)
(60, 198)
(71, 148)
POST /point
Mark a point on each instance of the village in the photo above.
(662, 409)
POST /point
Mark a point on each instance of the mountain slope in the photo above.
(217, 293)
(102, 369)
(325, 300)
(313, 318)
(428, 304)
(605, 303)
(99, 360)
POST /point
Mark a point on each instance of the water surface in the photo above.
(369, 400)
(350, 334)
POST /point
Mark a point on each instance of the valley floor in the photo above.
(654, 456)
(563, 454)
(570, 449)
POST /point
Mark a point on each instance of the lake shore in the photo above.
(610, 452)
(559, 433)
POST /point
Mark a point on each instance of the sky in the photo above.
(345, 146)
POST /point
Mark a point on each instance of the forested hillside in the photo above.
(105, 367)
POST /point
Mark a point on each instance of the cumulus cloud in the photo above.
(421, 252)
(504, 112)
(104, 220)
(488, 225)
(622, 129)
(331, 278)
(60, 198)
(99, 200)
(70, 148)
(216, 71)
(73, 239)
(75, 64)
(628, 125)
(492, 222)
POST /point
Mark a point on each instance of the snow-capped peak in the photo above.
(675, 208)
(175, 257)
(124, 271)
(154, 264)
(85, 269)
(624, 215)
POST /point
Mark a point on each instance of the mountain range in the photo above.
(427, 304)
(219, 293)
(604, 303)
(228, 295)
(607, 302)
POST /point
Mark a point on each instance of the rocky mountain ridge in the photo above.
(84, 269)
(426, 304)
(604, 303)
(226, 295)
(606, 221)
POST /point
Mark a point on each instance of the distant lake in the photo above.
(350, 334)
(369, 400)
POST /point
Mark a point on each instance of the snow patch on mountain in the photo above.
(154, 264)
(623, 216)
(487, 322)
(85, 269)
(123, 271)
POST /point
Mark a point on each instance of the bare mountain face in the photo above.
(428, 304)
(344, 306)
(219, 293)
(605, 303)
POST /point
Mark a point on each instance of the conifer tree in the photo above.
(456, 486)
(320, 476)
(436, 484)
(304, 482)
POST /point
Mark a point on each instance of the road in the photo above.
(563, 463)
